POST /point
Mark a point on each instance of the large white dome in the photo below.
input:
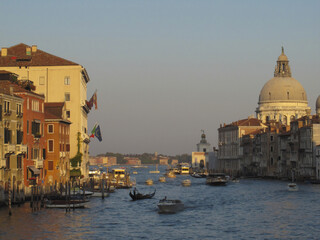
(282, 89)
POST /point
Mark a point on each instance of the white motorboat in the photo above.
(65, 204)
(162, 179)
(170, 206)
(186, 182)
(217, 179)
(293, 187)
(149, 182)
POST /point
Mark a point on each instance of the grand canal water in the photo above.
(251, 209)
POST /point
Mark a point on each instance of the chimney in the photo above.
(34, 48)
(4, 52)
(28, 51)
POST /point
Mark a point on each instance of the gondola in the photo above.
(138, 196)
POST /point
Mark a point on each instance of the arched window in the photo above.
(291, 118)
(267, 118)
(284, 120)
(288, 95)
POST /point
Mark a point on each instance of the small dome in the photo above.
(318, 103)
(283, 57)
(282, 89)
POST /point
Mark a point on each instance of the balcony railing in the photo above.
(9, 148)
(7, 112)
(39, 163)
(19, 115)
(21, 149)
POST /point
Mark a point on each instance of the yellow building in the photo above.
(11, 147)
(60, 80)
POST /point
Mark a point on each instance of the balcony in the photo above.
(9, 148)
(20, 149)
(7, 112)
(19, 115)
(62, 154)
(39, 163)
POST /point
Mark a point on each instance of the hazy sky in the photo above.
(164, 70)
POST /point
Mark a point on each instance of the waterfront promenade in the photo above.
(251, 209)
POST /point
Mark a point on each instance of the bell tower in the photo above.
(282, 67)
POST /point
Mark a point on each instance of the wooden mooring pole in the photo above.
(9, 196)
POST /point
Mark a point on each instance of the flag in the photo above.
(97, 133)
(93, 100)
(93, 131)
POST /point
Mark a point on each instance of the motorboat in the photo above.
(149, 182)
(293, 187)
(171, 174)
(170, 206)
(135, 172)
(199, 175)
(217, 179)
(184, 170)
(162, 179)
(136, 195)
(186, 182)
(60, 203)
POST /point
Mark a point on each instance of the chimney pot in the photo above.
(28, 51)
(4, 52)
(34, 48)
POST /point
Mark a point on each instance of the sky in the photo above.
(165, 70)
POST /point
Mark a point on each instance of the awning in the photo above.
(35, 170)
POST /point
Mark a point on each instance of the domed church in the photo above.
(282, 98)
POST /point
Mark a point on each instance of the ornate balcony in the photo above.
(20, 149)
(39, 163)
(9, 148)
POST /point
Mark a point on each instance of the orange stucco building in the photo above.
(57, 132)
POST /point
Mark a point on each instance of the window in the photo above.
(50, 165)
(50, 128)
(271, 161)
(35, 128)
(27, 126)
(288, 95)
(67, 97)
(271, 149)
(35, 105)
(6, 107)
(19, 107)
(7, 161)
(19, 136)
(41, 80)
(7, 135)
(27, 103)
(34, 153)
(50, 145)
(68, 113)
(44, 153)
(19, 161)
(67, 80)
(271, 138)
(68, 147)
